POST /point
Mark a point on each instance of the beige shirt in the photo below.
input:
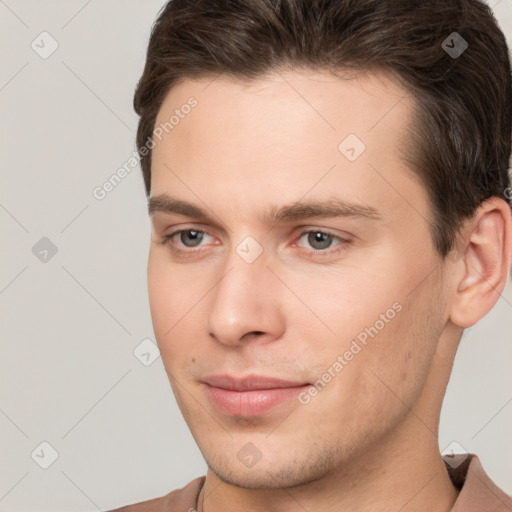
(477, 491)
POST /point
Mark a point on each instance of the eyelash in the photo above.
(167, 240)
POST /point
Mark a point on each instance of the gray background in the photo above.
(70, 325)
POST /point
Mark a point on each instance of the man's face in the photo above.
(268, 286)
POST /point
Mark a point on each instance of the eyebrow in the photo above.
(297, 211)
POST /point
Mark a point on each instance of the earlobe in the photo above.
(485, 264)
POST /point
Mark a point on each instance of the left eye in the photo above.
(190, 237)
(319, 240)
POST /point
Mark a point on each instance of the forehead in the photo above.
(289, 108)
(284, 131)
(359, 97)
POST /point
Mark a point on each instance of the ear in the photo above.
(483, 270)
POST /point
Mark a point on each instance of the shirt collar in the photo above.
(477, 492)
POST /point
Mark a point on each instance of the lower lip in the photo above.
(250, 403)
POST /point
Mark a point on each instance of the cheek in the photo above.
(377, 381)
(161, 301)
(373, 321)
(340, 305)
(173, 290)
(174, 299)
(401, 355)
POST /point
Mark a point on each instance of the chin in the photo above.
(273, 474)
(250, 479)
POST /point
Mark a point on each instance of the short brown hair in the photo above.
(460, 141)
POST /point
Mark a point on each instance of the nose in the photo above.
(245, 304)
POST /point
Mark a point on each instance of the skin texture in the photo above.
(368, 439)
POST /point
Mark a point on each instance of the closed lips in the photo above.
(251, 396)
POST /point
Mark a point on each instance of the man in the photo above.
(330, 203)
